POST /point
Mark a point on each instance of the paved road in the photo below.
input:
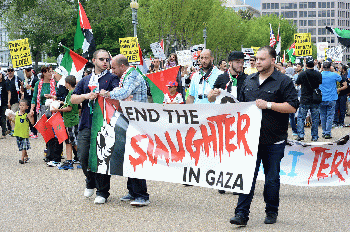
(38, 198)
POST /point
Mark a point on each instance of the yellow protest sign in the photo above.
(255, 49)
(129, 48)
(20, 53)
(303, 45)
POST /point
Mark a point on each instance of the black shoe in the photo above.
(271, 218)
(299, 138)
(21, 161)
(314, 139)
(327, 137)
(222, 191)
(238, 220)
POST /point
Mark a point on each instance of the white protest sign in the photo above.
(158, 50)
(321, 49)
(195, 52)
(184, 58)
(335, 53)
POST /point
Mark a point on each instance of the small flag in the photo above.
(84, 38)
(56, 121)
(73, 63)
(291, 53)
(278, 47)
(272, 37)
(44, 129)
(343, 35)
(162, 44)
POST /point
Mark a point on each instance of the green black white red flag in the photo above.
(84, 37)
(73, 63)
(343, 35)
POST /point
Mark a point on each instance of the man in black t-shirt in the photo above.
(309, 80)
(232, 79)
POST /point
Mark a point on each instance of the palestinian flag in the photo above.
(84, 38)
(157, 82)
(108, 136)
(343, 35)
(291, 53)
(73, 63)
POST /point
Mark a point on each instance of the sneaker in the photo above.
(31, 134)
(26, 160)
(314, 139)
(88, 192)
(76, 161)
(271, 218)
(222, 191)
(139, 202)
(79, 166)
(239, 220)
(53, 164)
(21, 161)
(299, 138)
(34, 136)
(100, 200)
(11, 133)
(295, 134)
(127, 198)
(66, 166)
(327, 136)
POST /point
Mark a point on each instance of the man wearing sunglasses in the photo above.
(86, 93)
(252, 69)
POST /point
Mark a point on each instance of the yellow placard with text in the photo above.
(129, 48)
(20, 53)
(303, 45)
(255, 49)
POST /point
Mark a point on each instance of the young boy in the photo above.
(71, 121)
(21, 120)
(173, 97)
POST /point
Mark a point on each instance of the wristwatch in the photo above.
(269, 105)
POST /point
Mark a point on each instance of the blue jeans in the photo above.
(327, 116)
(271, 156)
(292, 123)
(315, 117)
(341, 107)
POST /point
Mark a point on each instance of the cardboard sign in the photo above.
(129, 48)
(303, 45)
(20, 53)
(184, 57)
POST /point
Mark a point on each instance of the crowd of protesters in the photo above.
(27, 99)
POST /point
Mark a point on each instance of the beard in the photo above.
(208, 66)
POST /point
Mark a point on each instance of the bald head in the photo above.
(119, 64)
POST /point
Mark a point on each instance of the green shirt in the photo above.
(44, 90)
(21, 125)
(70, 118)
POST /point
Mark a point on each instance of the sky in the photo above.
(254, 3)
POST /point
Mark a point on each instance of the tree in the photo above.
(39, 21)
(245, 14)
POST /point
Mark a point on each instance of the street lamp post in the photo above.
(134, 6)
(205, 37)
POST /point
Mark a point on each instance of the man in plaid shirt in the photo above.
(133, 87)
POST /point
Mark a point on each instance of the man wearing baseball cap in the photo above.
(232, 79)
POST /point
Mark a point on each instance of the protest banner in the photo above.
(129, 48)
(248, 52)
(20, 53)
(315, 164)
(335, 53)
(321, 50)
(184, 58)
(158, 51)
(303, 45)
(195, 52)
(186, 144)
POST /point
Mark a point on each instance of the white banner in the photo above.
(315, 164)
(184, 58)
(335, 53)
(190, 144)
(158, 51)
(195, 52)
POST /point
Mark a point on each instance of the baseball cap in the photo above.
(310, 60)
(171, 84)
(61, 71)
(235, 55)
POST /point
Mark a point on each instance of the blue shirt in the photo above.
(200, 89)
(134, 85)
(108, 82)
(329, 85)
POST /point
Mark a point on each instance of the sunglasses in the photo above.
(10, 70)
(252, 60)
(107, 59)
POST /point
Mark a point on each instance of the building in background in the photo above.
(4, 50)
(313, 17)
(237, 5)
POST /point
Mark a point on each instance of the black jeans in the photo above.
(137, 188)
(3, 119)
(93, 180)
